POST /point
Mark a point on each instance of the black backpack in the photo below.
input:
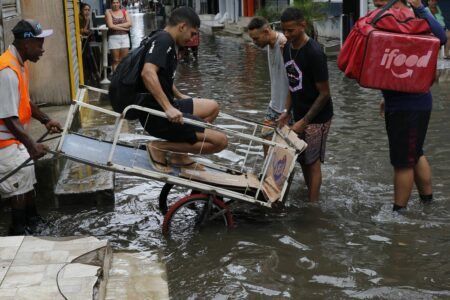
(126, 82)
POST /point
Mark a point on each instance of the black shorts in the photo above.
(406, 133)
(173, 132)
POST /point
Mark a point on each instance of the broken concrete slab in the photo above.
(47, 267)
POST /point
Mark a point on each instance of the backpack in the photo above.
(126, 81)
(391, 49)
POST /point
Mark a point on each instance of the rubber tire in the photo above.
(165, 191)
(217, 203)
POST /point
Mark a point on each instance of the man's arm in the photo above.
(283, 119)
(150, 78)
(34, 149)
(435, 27)
(316, 108)
(52, 125)
(178, 94)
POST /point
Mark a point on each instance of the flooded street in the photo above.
(349, 245)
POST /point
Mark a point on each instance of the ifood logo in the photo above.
(398, 59)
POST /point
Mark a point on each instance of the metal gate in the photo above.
(73, 46)
(203, 7)
(8, 9)
(209, 7)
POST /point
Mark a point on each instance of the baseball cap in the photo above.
(27, 28)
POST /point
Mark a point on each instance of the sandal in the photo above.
(156, 164)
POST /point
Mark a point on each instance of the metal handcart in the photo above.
(214, 188)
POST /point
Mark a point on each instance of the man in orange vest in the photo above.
(16, 145)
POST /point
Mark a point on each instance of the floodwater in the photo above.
(349, 245)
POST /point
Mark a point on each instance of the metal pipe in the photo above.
(72, 110)
(206, 125)
(115, 140)
(94, 89)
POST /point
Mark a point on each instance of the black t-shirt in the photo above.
(162, 53)
(304, 68)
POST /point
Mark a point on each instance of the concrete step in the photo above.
(80, 181)
(234, 29)
(211, 27)
(136, 276)
(48, 267)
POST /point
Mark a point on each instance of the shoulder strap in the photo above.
(382, 11)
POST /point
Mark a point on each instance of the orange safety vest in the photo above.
(8, 60)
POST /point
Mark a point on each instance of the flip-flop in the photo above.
(192, 165)
(156, 165)
(183, 165)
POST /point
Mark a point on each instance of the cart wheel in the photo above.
(163, 197)
(192, 212)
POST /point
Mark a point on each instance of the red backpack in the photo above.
(391, 49)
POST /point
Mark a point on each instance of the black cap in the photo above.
(27, 29)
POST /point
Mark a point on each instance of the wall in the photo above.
(49, 77)
(9, 17)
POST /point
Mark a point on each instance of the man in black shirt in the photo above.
(158, 76)
(307, 71)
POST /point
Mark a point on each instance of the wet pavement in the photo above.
(350, 245)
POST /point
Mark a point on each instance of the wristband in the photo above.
(45, 120)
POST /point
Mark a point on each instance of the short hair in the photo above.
(257, 23)
(184, 14)
(292, 14)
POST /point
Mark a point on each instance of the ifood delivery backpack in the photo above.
(391, 49)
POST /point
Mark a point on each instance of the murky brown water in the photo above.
(350, 245)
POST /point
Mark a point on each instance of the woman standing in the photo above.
(91, 73)
(85, 19)
(119, 24)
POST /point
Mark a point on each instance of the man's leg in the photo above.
(403, 184)
(269, 120)
(313, 179)
(208, 142)
(207, 109)
(422, 178)
(315, 135)
(19, 213)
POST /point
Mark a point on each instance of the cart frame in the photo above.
(109, 163)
